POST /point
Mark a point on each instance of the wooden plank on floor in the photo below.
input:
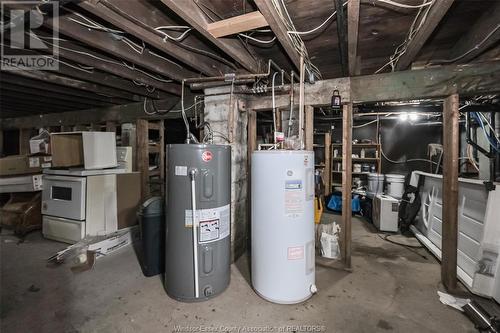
(451, 139)
(346, 183)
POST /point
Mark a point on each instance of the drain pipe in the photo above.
(290, 115)
(192, 175)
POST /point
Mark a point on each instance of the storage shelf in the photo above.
(359, 159)
(354, 173)
(358, 145)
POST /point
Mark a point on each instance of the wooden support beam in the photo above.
(436, 82)
(194, 17)
(309, 127)
(121, 96)
(352, 36)
(105, 41)
(483, 34)
(24, 140)
(342, 36)
(346, 184)
(236, 24)
(126, 17)
(142, 155)
(280, 31)
(327, 173)
(434, 16)
(451, 140)
(110, 126)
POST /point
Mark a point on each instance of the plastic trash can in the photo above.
(151, 217)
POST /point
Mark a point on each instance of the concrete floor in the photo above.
(390, 289)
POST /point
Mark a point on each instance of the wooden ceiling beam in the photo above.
(121, 96)
(280, 31)
(7, 95)
(342, 36)
(194, 17)
(352, 36)
(236, 24)
(436, 13)
(76, 53)
(105, 42)
(95, 76)
(125, 18)
(56, 96)
(483, 34)
(7, 79)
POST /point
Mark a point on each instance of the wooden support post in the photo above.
(327, 173)
(110, 126)
(451, 137)
(279, 120)
(142, 155)
(1, 143)
(24, 140)
(346, 183)
(251, 147)
(309, 127)
(162, 148)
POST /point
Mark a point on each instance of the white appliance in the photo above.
(79, 204)
(283, 258)
(28, 183)
(92, 150)
(478, 253)
(124, 158)
(385, 213)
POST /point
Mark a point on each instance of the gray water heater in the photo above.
(197, 265)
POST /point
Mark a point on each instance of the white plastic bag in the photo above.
(330, 245)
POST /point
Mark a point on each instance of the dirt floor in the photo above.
(391, 289)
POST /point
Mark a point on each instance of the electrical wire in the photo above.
(403, 5)
(401, 48)
(318, 27)
(476, 47)
(272, 40)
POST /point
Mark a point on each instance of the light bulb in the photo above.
(413, 116)
(403, 116)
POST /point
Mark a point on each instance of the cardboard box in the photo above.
(90, 150)
(18, 165)
(128, 195)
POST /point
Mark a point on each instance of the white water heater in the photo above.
(283, 255)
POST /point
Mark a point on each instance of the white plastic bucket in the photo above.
(375, 183)
(395, 185)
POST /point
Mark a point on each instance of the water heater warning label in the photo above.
(295, 253)
(214, 223)
(294, 198)
(209, 231)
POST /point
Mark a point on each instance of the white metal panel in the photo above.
(283, 225)
(63, 230)
(101, 205)
(478, 227)
(29, 183)
(72, 207)
(99, 150)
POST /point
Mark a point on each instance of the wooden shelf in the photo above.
(359, 145)
(354, 173)
(359, 159)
